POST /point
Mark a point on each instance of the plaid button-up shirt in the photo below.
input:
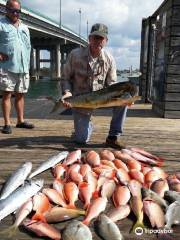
(81, 75)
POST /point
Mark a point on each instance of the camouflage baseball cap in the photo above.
(99, 29)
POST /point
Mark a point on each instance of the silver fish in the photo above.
(172, 196)
(154, 196)
(16, 179)
(173, 215)
(76, 230)
(107, 229)
(118, 94)
(17, 198)
(51, 162)
(21, 215)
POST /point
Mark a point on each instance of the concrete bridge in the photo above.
(46, 34)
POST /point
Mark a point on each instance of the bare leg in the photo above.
(19, 105)
(6, 107)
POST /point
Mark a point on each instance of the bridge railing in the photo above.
(48, 19)
(37, 18)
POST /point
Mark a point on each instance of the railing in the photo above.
(45, 18)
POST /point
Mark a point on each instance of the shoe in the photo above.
(25, 125)
(79, 143)
(114, 142)
(7, 129)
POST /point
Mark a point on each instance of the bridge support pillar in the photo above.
(52, 63)
(58, 61)
(63, 60)
(32, 63)
(37, 62)
(55, 60)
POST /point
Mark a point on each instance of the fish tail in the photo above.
(64, 165)
(56, 104)
(161, 159)
(39, 217)
(113, 175)
(83, 184)
(71, 206)
(145, 185)
(86, 205)
(138, 224)
(55, 108)
(8, 232)
(95, 194)
(80, 211)
(86, 222)
(160, 162)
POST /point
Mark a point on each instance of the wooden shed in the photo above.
(160, 60)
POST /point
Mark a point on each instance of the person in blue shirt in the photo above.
(15, 50)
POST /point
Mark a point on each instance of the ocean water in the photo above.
(122, 78)
(48, 87)
(43, 88)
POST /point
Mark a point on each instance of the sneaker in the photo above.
(114, 142)
(7, 129)
(25, 125)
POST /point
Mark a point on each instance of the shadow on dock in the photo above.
(48, 142)
(107, 112)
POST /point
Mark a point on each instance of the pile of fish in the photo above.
(99, 187)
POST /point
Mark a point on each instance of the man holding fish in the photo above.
(86, 70)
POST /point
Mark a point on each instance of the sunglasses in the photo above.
(13, 10)
(96, 37)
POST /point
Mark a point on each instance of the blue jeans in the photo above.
(83, 126)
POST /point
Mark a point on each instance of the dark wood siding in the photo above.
(160, 82)
(172, 91)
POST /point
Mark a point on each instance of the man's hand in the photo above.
(63, 99)
(3, 57)
(130, 104)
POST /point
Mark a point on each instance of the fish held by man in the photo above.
(119, 94)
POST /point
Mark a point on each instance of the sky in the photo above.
(123, 18)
